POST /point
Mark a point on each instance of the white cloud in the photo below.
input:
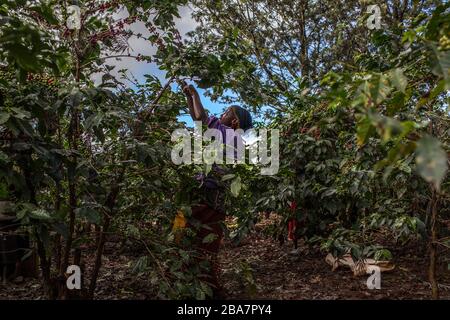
(141, 46)
(186, 23)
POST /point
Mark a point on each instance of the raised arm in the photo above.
(196, 109)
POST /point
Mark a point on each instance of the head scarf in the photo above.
(245, 118)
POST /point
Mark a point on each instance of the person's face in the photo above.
(227, 117)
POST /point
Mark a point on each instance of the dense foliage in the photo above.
(363, 114)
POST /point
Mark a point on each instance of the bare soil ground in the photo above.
(278, 273)
(259, 268)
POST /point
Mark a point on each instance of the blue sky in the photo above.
(139, 68)
(213, 107)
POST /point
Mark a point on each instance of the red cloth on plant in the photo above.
(292, 227)
(293, 206)
(292, 223)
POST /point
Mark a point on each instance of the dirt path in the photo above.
(259, 268)
(262, 269)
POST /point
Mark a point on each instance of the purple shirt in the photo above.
(214, 123)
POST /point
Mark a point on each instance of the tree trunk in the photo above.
(304, 60)
(433, 246)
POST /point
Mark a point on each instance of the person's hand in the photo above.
(189, 90)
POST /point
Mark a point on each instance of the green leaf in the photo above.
(140, 265)
(200, 295)
(431, 160)
(40, 214)
(46, 11)
(228, 177)
(236, 186)
(409, 36)
(383, 254)
(380, 90)
(329, 192)
(4, 194)
(206, 289)
(398, 79)
(442, 63)
(90, 214)
(364, 130)
(4, 117)
(395, 104)
(3, 157)
(209, 238)
(21, 114)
